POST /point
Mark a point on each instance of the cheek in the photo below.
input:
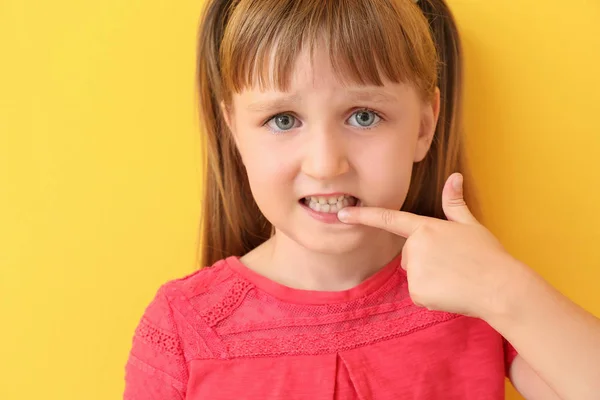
(268, 166)
(385, 170)
(270, 173)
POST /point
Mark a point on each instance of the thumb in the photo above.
(453, 202)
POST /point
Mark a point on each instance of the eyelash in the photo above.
(265, 124)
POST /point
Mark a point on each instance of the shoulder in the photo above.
(198, 282)
(184, 310)
(199, 300)
(199, 290)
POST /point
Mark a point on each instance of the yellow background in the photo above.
(99, 167)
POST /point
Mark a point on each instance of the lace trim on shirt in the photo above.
(323, 343)
(160, 340)
(333, 316)
(231, 300)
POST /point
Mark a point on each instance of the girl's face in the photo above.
(323, 140)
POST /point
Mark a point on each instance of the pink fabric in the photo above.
(226, 332)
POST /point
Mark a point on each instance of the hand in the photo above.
(457, 265)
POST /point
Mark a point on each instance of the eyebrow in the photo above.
(374, 96)
(279, 103)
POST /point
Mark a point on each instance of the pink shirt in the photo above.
(226, 332)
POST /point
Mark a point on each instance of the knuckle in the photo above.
(427, 229)
(456, 202)
(387, 217)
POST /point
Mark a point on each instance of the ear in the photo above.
(429, 120)
(229, 121)
(226, 115)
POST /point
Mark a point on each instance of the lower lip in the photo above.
(328, 218)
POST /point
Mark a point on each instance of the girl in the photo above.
(322, 119)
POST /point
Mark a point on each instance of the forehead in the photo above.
(313, 70)
(310, 68)
(315, 65)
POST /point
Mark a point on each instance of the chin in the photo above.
(330, 243)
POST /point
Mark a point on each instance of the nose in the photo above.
(325, 157)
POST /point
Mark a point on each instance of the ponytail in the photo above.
(231, 222)
(446, 154)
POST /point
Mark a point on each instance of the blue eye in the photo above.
(282, 122)
(365, 119)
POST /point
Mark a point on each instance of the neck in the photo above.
(283, 260)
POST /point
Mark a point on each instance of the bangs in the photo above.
(368, 41)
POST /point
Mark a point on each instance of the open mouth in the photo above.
(330, 204)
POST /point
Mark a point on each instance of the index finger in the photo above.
(399, 222)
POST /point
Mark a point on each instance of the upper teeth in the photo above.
(329, 204)
(327, 200)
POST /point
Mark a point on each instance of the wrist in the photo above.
(510, 291)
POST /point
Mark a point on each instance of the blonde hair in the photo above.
(247, 42)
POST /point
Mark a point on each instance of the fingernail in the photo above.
(343, 215)
(457, 183)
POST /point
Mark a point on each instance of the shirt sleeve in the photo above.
(509, 356)
(156, 368)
